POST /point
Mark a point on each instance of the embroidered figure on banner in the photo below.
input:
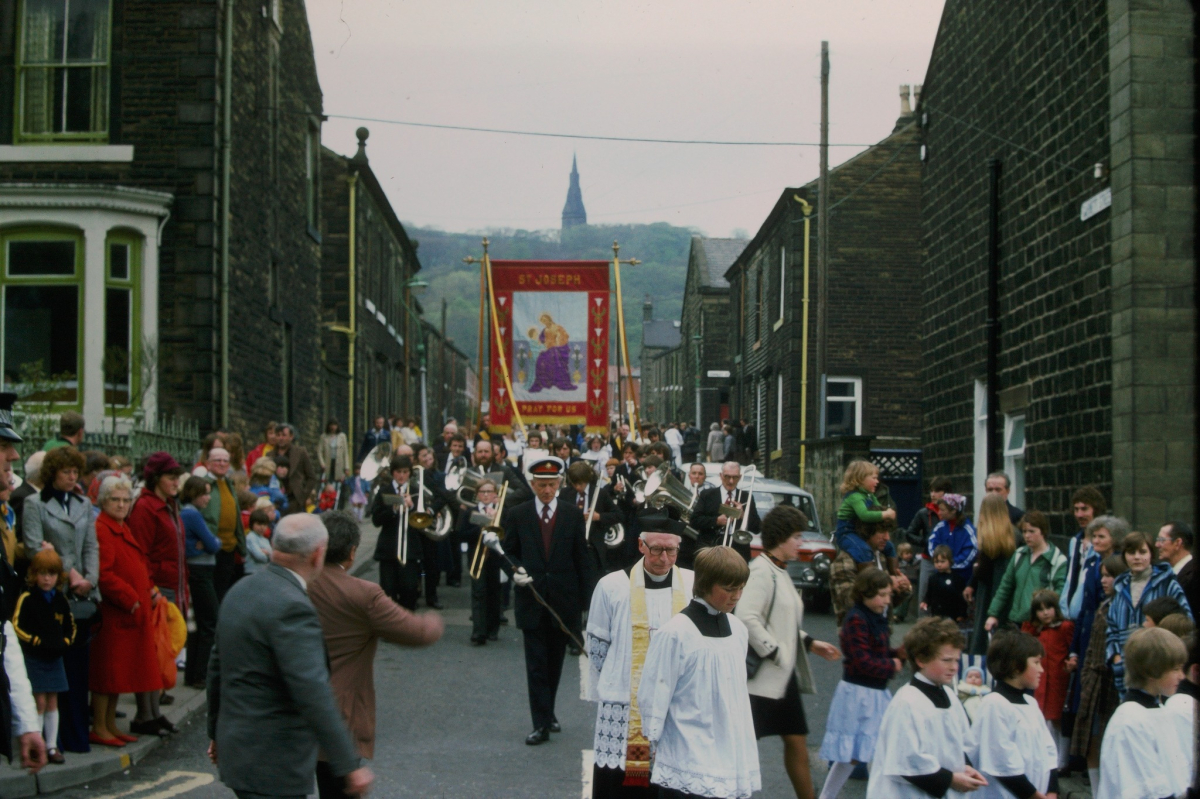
(553, 366)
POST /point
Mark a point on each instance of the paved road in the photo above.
(452, 722)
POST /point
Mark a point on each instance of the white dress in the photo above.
(915, 738)
(610, 652)
(1012, 739)
(1142, 757)
(696, 709)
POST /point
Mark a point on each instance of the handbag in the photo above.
(753, 659)
(81, 609)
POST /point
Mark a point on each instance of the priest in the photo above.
(627, 608)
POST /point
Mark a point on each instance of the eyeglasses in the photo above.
(660, 551)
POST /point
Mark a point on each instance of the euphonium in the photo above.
(469, 485)
(670, 491)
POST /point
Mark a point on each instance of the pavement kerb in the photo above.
(102, 761)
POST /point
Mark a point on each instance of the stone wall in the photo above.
(1026, 83)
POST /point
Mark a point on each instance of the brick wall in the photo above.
(1025, 83)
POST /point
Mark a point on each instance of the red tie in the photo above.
(547, 529)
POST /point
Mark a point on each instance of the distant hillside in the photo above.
(662, 249)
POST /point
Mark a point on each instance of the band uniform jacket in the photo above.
(354, 615)
(609, 515)
(706, 511)
(387, 518)
(270, 703)
(566, 580)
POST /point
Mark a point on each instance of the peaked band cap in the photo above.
(7, 432)
(548, 467)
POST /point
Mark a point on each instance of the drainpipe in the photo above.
(992, 326)
(804, 342)
(226, 215)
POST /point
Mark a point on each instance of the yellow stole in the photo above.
(637, 750)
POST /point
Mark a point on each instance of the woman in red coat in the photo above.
(124, 657)
(155, 523)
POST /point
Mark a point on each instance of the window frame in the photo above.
(47, 233)
(1014, 458)
(979, 471)
(778, 451)
(857, 399)
(19, 68)
(136, 244)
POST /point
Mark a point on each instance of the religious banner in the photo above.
(552, 319)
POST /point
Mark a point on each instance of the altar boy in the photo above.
(1016, 752)
(925, 735)
(1142, 756)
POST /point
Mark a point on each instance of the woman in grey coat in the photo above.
(60, 517)
(715, 444)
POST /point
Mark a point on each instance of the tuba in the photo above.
(375, 462)
(454, 473)
(670, 491)
(469, 484)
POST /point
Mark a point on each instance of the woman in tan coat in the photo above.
(773, 613)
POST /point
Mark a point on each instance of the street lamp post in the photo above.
(424, 392)
(414, 285)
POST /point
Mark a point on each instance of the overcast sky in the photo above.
(678, 69)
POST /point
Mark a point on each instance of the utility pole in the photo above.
(823, 238)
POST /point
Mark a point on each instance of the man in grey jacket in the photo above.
(270, 704)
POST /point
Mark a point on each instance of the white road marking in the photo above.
(588, 756)
(194, 779)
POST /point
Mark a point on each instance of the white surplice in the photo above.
(1182, 709)
(610, 653)
(696, 709)
(1012, 739)
(916, 737)
(1142, 756)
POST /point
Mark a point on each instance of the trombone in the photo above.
(421, 518)
(742, 534)
(480, 555)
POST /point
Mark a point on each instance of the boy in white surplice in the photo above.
(693, 699)
(627, 609)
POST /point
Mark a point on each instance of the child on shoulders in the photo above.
(859, 504)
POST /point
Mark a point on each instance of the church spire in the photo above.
(573, 212)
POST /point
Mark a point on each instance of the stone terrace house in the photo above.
(1058, 204)
(159, 202)
(874, 314)
(703, 330)
(371, 362)
(661, 374)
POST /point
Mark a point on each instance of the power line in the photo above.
(590, 137)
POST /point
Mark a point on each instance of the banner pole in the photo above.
(634, 427)
(482, 328)
(487, 266)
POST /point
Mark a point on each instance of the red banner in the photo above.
(553, 319)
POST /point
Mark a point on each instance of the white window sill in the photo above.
(66, 153)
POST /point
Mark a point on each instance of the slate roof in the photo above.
(714, 257)
(660, 334)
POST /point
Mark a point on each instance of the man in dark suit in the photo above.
(581, 492)
(377, 435)
(545, 541)
(486, 463)
(433, 553)
(710, 522)
(270, 703)
(1175, 543)
(398, 548)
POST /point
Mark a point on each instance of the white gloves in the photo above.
(522, 578)
(491, 540)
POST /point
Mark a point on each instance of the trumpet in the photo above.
(421, 518)
(740, 534)
(493, 526)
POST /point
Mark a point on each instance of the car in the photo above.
(810, 572)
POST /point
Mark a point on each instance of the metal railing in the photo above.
(181, 438)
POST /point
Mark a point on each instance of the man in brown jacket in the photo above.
(294, 468)
(354, 615)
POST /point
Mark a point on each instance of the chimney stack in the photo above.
(916, 96)
(648, 309)
(905, 109)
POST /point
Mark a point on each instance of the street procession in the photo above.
(836, 439)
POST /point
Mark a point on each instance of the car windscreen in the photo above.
(766, 500)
